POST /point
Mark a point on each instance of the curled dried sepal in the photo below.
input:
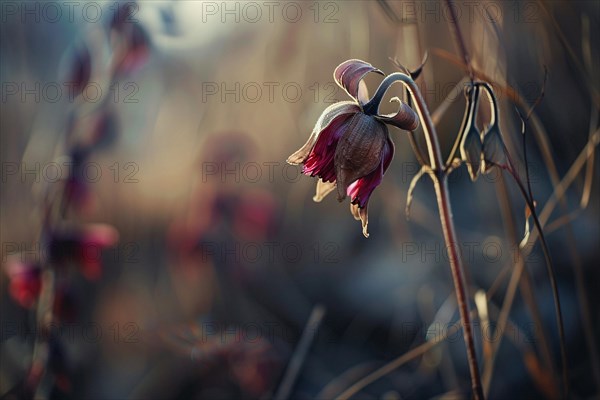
(363, 93)
(362, 215)
(405, 118)
(349, 74)
(323, 189)
(470, 145)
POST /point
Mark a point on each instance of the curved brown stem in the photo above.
(440, 183)
(443, 198)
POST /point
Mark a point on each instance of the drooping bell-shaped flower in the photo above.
(350, 147)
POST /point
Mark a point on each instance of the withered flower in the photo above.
(350, 147)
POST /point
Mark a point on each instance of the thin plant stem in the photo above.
(552, 277)
(441, 109)
(397, 363)
(559, 186)
(413, 141)
(459, 39)
(583, 73)
(295, 364)
(442, 194)
(345, 380)
(440, 182)
(527, 195)
(519, 277)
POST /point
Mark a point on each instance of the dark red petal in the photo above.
(349, 74)
(320, 161)
(330, 113)
(360, 191)
(359, 151)
(405, 118)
